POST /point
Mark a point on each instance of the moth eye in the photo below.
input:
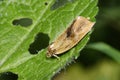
(48, 55)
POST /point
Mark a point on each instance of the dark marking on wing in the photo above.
(70, 31)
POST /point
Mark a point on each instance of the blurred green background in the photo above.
(99, 64)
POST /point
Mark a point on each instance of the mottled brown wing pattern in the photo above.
(70, 37)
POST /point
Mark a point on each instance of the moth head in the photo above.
(50, 52)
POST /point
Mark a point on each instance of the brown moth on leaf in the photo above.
(70, 37)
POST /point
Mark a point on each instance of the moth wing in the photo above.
(74, 34)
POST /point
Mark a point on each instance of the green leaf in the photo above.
(22, 22)
(105, 48)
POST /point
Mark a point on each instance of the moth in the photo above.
(70, 37)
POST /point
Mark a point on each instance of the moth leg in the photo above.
(56, 56)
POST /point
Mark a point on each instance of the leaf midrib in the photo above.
(14, 49)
